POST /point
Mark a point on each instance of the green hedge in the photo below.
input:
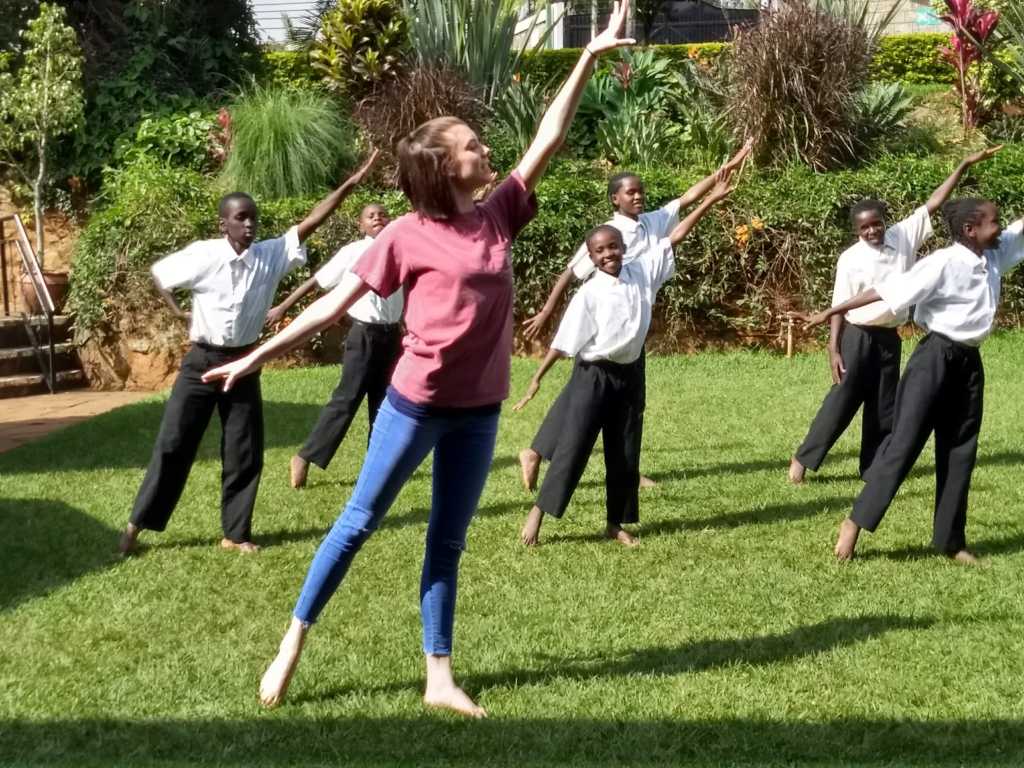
(912, 59)
(771, 248)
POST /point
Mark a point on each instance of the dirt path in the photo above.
(24, 419)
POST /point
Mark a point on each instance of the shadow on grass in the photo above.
(45, 544)
(556, 738)
(1008, 545)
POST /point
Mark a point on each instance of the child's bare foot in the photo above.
(242, 546)
(278, 676)
(796, 471)
(965, 557)
(529, 465)
(129, 540)
(646, 482)
(847, 542)
(621, 535)
(531, 528)
(443, 693)
(298, 469)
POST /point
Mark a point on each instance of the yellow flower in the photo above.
(742, 234)
(756, 224)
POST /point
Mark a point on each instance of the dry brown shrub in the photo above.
(796, 77)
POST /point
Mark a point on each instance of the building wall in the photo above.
(269, 12)
(913, 16)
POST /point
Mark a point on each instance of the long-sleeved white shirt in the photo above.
(956, 292)
(231, 292)
(862, 266)
(370, 308)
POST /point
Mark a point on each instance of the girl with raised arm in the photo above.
(451, 255)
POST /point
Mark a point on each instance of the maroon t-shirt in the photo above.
(457, 276)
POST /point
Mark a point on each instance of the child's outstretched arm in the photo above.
(276, 313)
(550, 359)
(720, 191)
(535, 325)
(169, 300)
(698, 190)
(862, 299)
(554, 126)
(328, 205)
(944, 190)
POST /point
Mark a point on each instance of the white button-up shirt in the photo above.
(231, 292)
(862, 266)
(609, 317)
(370, 308)
(955, 291)
(637, 234)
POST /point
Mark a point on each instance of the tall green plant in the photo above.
(286, 143)
(476, 38)
(40, 101)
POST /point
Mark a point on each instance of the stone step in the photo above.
(15, 360)
(35, 384)
(13, 333)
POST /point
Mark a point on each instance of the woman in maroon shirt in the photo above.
(451, 254)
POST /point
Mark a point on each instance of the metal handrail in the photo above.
(30, 265)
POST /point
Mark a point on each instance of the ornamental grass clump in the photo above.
(287, 143)
(796, 78)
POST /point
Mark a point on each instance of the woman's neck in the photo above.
(464, 202)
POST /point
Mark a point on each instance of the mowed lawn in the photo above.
(729, 637)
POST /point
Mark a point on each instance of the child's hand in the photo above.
(358, 176)
(722, 189)
(810, 321)
(532, 390)
(984, 154)
(534, 325)
(609, 39)
(835, 364)
(274, 316)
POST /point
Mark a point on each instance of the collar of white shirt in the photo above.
(230, 254)
(624, 224)
(604, 277)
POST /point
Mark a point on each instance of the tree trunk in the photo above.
(37, 201)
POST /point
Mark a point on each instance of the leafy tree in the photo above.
(40, 101)
(646, 12)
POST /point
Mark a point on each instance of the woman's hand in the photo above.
(609, 39)
(532, 390)
(233, 371)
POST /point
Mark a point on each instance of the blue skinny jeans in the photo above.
(463, 447)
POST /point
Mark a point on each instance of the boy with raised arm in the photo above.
(232, 280)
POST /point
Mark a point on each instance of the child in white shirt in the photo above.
(955, 292)
(604, 328)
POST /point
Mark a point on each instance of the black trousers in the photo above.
(553, 426)
(608, 398)
(872, 360)
(941, 391)
(184, 421)
(371, 351)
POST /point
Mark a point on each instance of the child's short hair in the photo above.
(868, 204)
(962, 211)
(423, 159)
(602, 228)
(368, 206)
(230, 199)
(616, 181)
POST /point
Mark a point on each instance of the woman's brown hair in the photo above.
(423, 162)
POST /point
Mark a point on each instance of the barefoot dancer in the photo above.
(955, 292)
(864, 346)
(452, 257)
(604, 328)
(627, 196)
(232, 281)
(371, 350)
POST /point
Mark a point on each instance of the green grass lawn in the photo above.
(729, 637)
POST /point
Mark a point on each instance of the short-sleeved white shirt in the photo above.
(231, 292)
(370, 308)
(647, 228)
(862, 266)
(954, 291)
(609, 317)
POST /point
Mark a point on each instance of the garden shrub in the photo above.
(360, 44)
(288, 69)
(287, 142)
(912, 59)
(177, 138)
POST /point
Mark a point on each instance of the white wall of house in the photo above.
(913, 16)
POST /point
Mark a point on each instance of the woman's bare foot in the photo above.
(443, 693)
(531, 528)
(796, 471)
(847, 542)
(965, 557)
(298, 471)
(529, 465)
(646, 482)
(621, 535)
(129, 540)
(278, 676)
(242, 546)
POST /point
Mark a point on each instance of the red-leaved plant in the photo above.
(972, 28)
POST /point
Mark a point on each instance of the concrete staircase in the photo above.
(20, 370)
